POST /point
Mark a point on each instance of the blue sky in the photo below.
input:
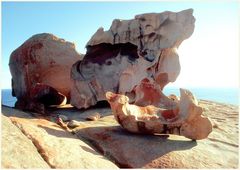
(208, 58)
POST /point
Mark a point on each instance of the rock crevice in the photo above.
(57, 147)
(35, 143)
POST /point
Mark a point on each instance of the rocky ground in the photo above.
(30, 140)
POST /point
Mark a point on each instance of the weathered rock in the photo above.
(63, 117)
(185, 118)
(149, 92)
(93, 117)
(73, 124)
(40, 70)
(150, 32)
(59, 148)
(119, 59)
(17, 150)
(219, 150)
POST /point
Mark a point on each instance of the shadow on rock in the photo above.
(133, 150)
(57, 133)
(14, 112)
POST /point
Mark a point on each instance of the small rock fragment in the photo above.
(64, 118)
(93, 117)
(60, 122)
(73, 124)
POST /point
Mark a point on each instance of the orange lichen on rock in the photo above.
(183, 119)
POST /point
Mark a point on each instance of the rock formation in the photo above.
(119, 59)
(40, 70)
(183, 119)
(135, 57)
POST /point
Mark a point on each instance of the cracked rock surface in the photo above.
(162, 151)
(57, 148)
(17, 150)
(105, 135)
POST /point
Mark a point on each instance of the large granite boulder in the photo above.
(119, 59)
(40, 70)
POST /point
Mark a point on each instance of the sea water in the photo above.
(7, 98)
(222, 95)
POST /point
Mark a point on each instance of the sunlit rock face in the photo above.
(40, 70)
(183, 117)
(133, 57)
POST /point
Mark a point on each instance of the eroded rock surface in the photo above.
(185, 118)
(130, 51)
(40, 70)
(218, 150)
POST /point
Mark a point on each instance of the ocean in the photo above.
(221, 95)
